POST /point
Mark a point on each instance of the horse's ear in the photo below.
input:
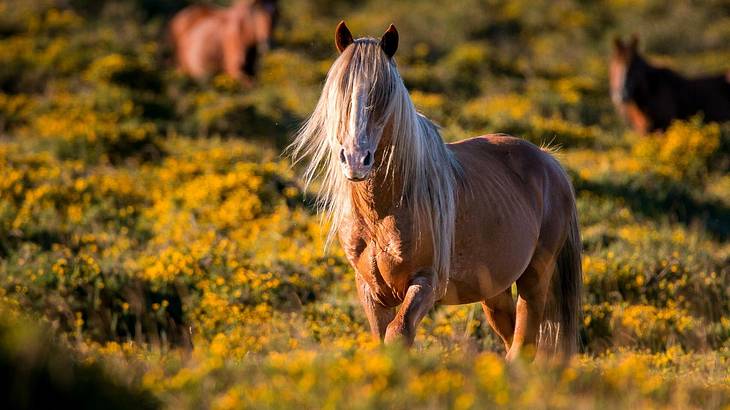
(634, 43)
(618, 44)
(389, 41)
(343, 37)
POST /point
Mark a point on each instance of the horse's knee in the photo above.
(418, 300)
(399, 331)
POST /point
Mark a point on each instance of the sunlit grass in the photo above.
(150, 229)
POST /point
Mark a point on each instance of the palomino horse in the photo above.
(651, 97)
(423, 222)
(208, 39)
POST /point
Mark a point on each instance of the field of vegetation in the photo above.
(156, 250)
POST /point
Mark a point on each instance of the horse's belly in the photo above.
(479, 282)
(488, 261)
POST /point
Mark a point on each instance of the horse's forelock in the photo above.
(360, 68)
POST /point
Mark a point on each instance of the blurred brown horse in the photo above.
(651, 97)
(208, 39)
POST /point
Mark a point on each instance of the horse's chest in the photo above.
(382, 256)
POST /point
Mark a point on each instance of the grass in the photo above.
(154, 241)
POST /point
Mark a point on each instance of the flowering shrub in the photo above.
(151, 227)
(518, 115)
(683, 151)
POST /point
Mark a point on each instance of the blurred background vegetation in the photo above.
(166, 254)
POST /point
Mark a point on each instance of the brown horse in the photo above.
(208, 39)
(651, 97)
(424, 223)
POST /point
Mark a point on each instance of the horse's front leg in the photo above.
(378, 315)
(419, 299)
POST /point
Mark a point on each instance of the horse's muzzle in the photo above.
(356, 164)
(356, 174)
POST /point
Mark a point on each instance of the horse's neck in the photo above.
(665, 76)
(666, 96)
(379, 195)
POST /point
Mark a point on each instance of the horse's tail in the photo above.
(559, 332)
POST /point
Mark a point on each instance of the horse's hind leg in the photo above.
(378, 315)
(500, 312)
(532, 289)
(418, 300)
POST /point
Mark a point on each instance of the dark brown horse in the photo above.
(209, 39)
(425, 223)
(650, 97)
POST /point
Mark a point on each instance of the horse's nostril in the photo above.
(342, 156)
(368, 158)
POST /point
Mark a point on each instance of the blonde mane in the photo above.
(413, 150)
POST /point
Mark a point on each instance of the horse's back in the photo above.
(679, 98)
(520, 157)
(519, 169)
(713, 93)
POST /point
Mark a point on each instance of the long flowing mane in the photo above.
(411, 148)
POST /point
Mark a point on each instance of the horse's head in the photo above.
(265, 14)
(628, 71)
(363, 111)
(364, 80)
(365, 128)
